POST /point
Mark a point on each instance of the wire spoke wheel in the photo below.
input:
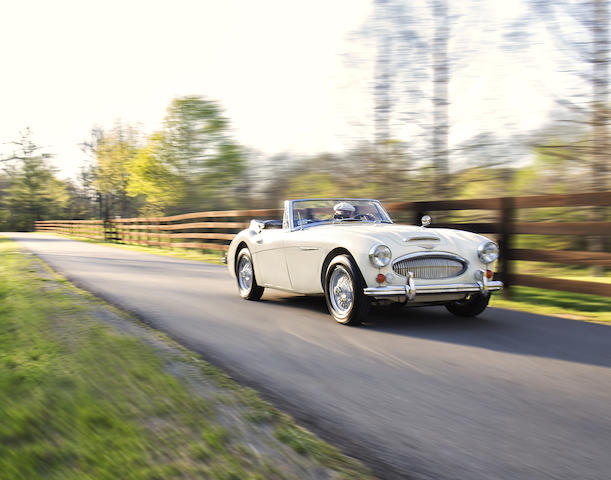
(341, 291)
(344, 291)
(245, 275)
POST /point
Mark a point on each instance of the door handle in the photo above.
(307, 248)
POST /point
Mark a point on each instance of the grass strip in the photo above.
(575, 306)
(87, 392)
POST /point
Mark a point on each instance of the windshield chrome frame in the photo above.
(292, 226)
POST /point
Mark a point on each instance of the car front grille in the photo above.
(430, 267)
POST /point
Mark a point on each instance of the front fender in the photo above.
(241, 237)
(359, 251)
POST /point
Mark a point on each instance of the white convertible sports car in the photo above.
(350, 251)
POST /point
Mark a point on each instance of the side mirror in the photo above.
(256, 226)
(426, 220)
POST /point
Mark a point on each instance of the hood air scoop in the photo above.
(421, 238)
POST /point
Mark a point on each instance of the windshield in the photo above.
(311, 212)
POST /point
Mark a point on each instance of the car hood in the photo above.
(407, 238)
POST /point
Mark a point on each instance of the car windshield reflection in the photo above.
(325, 211)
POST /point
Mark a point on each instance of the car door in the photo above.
(304, 257)
(270, 260)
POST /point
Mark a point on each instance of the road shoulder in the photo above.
(128, 398)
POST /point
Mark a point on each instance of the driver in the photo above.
(343, 210)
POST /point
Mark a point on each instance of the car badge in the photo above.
(428, 247)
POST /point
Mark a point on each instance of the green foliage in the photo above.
(196, 147)
(113, 152)
(552, 302)
(193, 164)
(312, 185)
(32, 191)
(366, 171)
(152, 177)
(79, 399)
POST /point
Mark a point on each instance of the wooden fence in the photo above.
(214, 230)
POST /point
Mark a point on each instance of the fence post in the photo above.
(505, 242)
(107, 226)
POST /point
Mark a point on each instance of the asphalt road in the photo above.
(415, 394)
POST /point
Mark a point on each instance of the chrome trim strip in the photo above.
(290, 214)
(410, 287)
(451, 256)
(408, 290)
(421, 238)
(334, 199)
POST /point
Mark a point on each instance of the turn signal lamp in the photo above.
(380, 278)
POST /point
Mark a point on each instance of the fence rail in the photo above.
(219, 227)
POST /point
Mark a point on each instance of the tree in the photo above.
(4, 187)
(34, 193)
(441, 78)
(151, 176)
(197, 148)
(600, 93)
(113, 151)
(410, 85)
(581, 31)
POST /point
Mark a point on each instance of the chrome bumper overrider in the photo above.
(410, 290)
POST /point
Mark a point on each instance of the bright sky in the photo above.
(276, 66)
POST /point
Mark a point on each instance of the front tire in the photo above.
(344, 292)
(245, 274)
(470, 306)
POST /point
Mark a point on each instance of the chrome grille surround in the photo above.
(430, 265)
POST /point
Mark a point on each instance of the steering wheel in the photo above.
(365, 217)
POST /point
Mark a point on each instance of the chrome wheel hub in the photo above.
(245, 275)
(341, 293)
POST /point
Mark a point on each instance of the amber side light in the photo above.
(489, 274)
(380, 278)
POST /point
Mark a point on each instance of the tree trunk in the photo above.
(440, 96)
(599, 120)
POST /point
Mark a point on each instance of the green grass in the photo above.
(567, 272)
(80, 399)
(553, 302)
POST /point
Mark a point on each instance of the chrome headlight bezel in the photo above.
(380, 255)
(488, 252)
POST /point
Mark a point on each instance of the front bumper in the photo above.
(410, 290)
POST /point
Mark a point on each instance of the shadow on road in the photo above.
(495, 329)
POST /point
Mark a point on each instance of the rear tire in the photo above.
(245, 275)
(344, 292)
(469, 307)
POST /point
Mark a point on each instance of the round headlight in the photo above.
(488, 252)
(380, 256)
